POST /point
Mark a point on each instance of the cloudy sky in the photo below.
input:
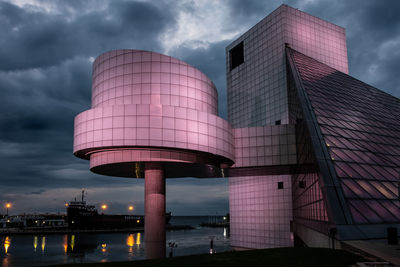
(46, 52)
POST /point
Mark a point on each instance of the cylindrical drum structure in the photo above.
(152, 116)
(148, 107)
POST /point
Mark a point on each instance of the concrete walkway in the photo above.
(389, 253)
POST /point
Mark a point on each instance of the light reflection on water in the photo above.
(29, 250)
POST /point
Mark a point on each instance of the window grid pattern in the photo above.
(154, 126)
(260, 213)
(265, 146)
(361, 127)
(124, 77)
(257, 93)
(308, 200)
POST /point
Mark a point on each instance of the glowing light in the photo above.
(65, 243)
(72, 245)
(104, 207)
(35, 242)
(8, 205)
(224, 232)
(138, 239)
(130, 240)
(138, 221)
(66, 205)
(103, 248)
(130, 208)
(7, 243)
(43, 243)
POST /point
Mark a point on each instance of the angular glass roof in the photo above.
(361, 129)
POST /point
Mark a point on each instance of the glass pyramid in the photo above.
(349, 150)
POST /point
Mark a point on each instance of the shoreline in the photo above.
(49, 231)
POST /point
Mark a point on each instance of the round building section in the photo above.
(148, 107)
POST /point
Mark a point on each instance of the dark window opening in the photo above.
(302, 184)
(236, 56)
(280, 185)
(278, 122)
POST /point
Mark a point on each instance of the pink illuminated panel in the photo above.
(155, 103)
(124, 77)
(260, 212)
(157, 126)
(256, 89)
(265, 146)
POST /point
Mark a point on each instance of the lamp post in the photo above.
(130, 208)
(8, 205)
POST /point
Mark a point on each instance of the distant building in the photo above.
(312, 154)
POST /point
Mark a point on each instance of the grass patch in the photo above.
(251, 258)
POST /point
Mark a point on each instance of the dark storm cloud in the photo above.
(45, 81)
(32, 39)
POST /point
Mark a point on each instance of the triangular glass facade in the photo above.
(354, 131)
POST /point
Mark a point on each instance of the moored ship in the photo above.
(80, 215)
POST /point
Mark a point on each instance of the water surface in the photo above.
(39, 250)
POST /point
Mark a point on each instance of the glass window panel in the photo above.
(355, 187)
(363, 156)
(369, 188)
(366, 211)
(333, 142)
(337, 154)
(381, 211)
(358, 218)
(392, 186)
(339, 170)
(345, 167)
(347, 192)
(382, 173)
(363, 173)
(383, 189)
(372, 171)
(348, 143)
(396, 203)
(378, 159)
(392, 171)
(392, 207)
(322, 120)
(354, 155)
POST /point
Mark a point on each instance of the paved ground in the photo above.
(390, 253)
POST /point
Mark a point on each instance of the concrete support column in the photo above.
(154, 201)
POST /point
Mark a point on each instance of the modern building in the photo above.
(312, 154)
(331, 169)
(152, 117)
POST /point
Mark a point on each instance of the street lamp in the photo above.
(104, 207)
(8, 205)
(130, 208)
